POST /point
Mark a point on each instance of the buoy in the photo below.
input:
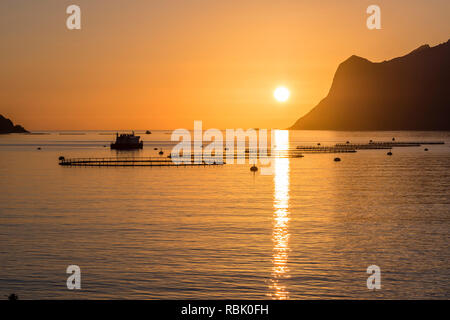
(426, 149)
(61, 158)
(389, 153)
(39, 148)
(370, 141)
(318, 144)
(155, 148)
(393, 139)
(337, 159)
(253, 168)
(161, 152)
(347, 142)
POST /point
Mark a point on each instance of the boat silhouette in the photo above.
(126, 141)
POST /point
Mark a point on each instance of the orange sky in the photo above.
(164, 64)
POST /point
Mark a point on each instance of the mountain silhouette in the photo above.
(406, 93)
(6, 126)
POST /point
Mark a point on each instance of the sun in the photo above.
(281, 94)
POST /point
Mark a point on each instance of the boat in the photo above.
(126, 141)
(148, 132)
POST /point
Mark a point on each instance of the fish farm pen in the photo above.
(247, 154)
(324, 149)
(406, 143)
(128, 162)
(365, 146)
(385, 145)
(152, 161)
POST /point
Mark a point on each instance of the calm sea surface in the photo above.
(309, 231)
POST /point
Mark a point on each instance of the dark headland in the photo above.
(406, 93)
(7, 126)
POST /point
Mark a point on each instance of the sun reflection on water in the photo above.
(280, 234)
